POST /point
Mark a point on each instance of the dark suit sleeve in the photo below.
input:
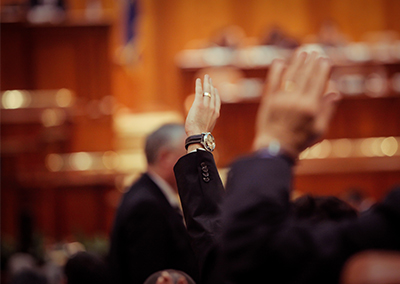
(257, 201)
(261, 238)
(201, 192)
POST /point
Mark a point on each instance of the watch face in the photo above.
(209, 142)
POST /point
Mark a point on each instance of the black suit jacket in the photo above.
(148, 235)
(257, 236)
(201, 192)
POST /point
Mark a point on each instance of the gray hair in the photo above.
(167, 136)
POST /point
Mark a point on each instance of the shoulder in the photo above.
(142, 196)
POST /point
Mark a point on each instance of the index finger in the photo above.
(275, 76)
(198, 89)
(321, 77)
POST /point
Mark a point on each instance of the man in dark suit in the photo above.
(149, 232)
(250, 234)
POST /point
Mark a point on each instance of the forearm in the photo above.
(201, 192)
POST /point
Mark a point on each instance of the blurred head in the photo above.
(84, 267)
(323, 208)
(174, 277)
(163, 149)
(28, 276)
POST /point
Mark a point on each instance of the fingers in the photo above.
(207, 88)
(198, 90)
(275, 76)
(204, 111)
(217, 101)
(291, 74)
(212, 100)
(328, 106)
(320, 77)
(217, 108)
(306, 70)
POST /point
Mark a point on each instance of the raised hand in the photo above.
(297, 106)
(204, 111)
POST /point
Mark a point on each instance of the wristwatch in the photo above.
(206, 139)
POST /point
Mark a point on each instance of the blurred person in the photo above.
(358, 199)
(22, 268)
(85, 268)
(20, 261)
(323, 208)
(372, 267)
(231, 36)
(277, 37)
(28, 276)
(330, 35)
(169, 276)
(149, 233)
(250, 232)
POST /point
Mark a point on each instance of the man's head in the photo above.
(163, 149)
(84, 267)
(323, 208)
(169, 276)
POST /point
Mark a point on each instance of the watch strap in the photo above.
(193, 139)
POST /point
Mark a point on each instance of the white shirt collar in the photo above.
(170, 194)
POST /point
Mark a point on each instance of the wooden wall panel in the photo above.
(14, 55)
(53, 63)
(73, 56)
(77, 58)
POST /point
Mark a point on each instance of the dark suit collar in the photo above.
(152, 187)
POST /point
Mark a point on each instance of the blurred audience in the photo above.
(22, 268)
(28, 276)
(277, 37)
(231, 36)
(357, 198)
(323, 208)
(330, 35)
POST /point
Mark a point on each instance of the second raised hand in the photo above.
(296, 108)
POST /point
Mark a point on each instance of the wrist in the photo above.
(275, 147)
(193, 147)
(275, 150)
(205, 139)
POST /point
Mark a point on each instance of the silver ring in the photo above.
(207, 94)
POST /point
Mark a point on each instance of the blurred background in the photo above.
(84, 81)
